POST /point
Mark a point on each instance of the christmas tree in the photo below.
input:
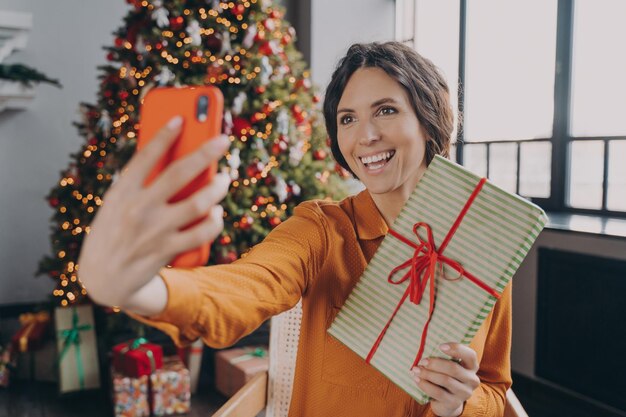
(279, 154)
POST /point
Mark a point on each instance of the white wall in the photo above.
(525, 288)
(335, 25)
(35, 144)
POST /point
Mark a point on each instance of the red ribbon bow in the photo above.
(422, 265)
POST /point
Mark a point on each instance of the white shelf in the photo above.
(15, 96)
(14, 29)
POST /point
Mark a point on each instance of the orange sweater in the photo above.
(319, 254)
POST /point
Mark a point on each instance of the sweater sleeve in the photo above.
(495, 366)
(489, 398)
(224, 303)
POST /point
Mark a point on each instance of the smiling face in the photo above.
(379, 134)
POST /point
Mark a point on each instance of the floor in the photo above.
(40, 399)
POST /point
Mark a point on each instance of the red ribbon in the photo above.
(422, 266)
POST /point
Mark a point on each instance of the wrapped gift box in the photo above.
(76, 344)
(31, 334)
(130, 395)
(170, 388)
(5, 364)
(39, 364)
(479, 235)
(235, 367)
(137, 357)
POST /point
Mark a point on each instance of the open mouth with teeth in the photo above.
(375, 162)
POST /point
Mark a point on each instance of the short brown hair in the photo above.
(427, 90)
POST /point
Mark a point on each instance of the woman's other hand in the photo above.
(449, 383)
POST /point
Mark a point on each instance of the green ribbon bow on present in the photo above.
(71, 337)
(256, 353)
(137, 344)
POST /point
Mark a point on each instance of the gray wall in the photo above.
(525, 288)
(65, 43)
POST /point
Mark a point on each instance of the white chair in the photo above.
(271, 391)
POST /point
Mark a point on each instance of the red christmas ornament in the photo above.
(254, 169)
(257, 117)
(176, 23)
(266, 48)
(275, 221)
(241, 125)
(238, 10)
(108, 94)
(158, 46)
(270, 24)
(260, 36)
(279, 147)
(213, 43)
(260, 89)
(319, 154)
(54, 202)
(123, 94)
(246, 222)
(119, 42)
(93, 141)
(286, 39)
(100, 164)
(267, 109)
(111, 56)
(275, 14)
(298, 113)
(316, 98)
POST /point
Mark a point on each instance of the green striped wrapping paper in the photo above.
(491, 242)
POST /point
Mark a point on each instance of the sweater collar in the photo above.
(370, 224)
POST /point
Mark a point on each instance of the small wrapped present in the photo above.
(32, 331)
(438, 273)
(5, 367)
(76, 344)
(38, 365)
(130, 395)
(235, 367)
(170, 388)
(137, 357)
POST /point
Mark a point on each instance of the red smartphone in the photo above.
(201, 108)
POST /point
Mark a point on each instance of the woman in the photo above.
(387, 113)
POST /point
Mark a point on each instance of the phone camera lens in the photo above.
(203, 108)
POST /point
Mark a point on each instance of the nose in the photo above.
(368, 133)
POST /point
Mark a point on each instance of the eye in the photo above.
(387, 110)
(346, 119)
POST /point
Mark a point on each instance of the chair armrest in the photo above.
(513, 407)
(248, 401)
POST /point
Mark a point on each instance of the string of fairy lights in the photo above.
(175, 48)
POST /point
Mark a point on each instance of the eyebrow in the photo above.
(374, 104)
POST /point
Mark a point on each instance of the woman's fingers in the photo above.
(443, 380)
(181, 172)
(465, 355)
(141, 164)
(181, 213)
(195, 236)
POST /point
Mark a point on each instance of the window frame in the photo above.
(561, 137)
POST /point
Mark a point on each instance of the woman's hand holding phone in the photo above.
(136, 231)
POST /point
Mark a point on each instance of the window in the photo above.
(543, 86)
